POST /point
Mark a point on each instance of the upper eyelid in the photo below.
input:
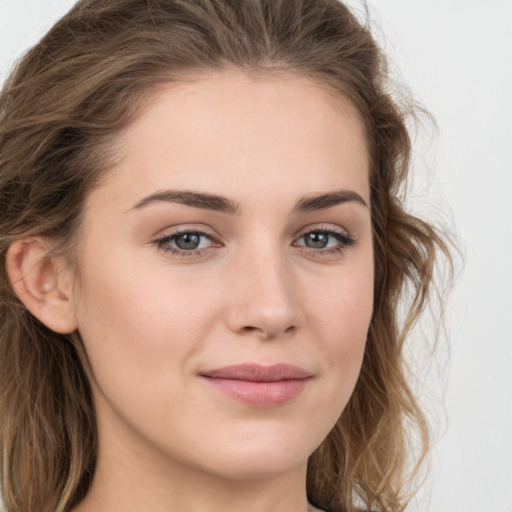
(342, 233)
(323, 228)
(344, 238)
(180, 230)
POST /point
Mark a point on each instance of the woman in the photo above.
(203, 254)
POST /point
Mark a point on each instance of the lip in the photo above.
(258, 385)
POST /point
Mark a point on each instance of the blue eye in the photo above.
(185, 242)
(193, 242)
(188, 241)
(321, 239)
(317, 240)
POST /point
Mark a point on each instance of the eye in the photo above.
(185, 242)
(188, 241)
(326, 240)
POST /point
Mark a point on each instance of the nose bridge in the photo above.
(264, 298)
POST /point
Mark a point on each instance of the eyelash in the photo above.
(345, 241)
(163, 243)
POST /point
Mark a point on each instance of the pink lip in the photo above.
(261, 386)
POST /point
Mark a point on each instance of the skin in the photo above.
(256, 290)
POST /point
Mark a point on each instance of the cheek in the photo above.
(342, 315)
(345, 302)
(142, 336)
(136, 324)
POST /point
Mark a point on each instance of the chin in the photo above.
(259, 467)
(266, 455)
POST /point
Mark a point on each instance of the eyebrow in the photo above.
(323, 201)
(189, 198)
(224, 205)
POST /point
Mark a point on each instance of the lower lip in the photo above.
(260, 394)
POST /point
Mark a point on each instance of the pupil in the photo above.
(188, 242)
(317, 240)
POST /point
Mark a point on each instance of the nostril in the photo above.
(268, 332)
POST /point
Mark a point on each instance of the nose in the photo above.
(264, 296)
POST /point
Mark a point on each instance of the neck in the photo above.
(133, 492)
(143, 479)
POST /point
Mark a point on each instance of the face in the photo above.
(226, 273)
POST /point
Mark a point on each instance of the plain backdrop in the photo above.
(456, 56)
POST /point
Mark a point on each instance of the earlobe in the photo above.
(38, 282)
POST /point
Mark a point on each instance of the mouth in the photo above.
(257, 385)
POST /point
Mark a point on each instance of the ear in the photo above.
(41, 284)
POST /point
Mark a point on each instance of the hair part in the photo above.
(61, 111)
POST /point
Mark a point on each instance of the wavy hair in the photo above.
(60, 111)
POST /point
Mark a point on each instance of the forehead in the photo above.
(231, 130)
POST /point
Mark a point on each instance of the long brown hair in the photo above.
(59, 113)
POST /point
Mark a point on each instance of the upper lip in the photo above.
(258, 373)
